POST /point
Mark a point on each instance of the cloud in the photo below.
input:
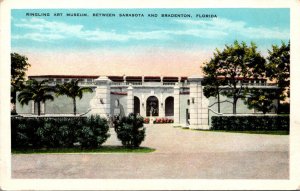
(42, 30)
(51, 30)
(39, 37)
(227, 27)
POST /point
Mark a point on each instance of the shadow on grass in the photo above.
(102, 149)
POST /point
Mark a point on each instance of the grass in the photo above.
(103, 149)
(257, 132)
(247, 132)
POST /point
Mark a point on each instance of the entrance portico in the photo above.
(176, 100)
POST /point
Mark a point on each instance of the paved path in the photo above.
(179, 154)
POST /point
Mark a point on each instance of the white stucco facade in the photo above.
(178, 98)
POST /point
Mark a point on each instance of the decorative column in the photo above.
(130, 99)
(143, 106)
(161, 106)
(100, 103)
(198, 104)
(176, 105)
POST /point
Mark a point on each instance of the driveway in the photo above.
(182, 154)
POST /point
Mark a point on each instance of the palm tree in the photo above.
(72, 90)
(37, 92)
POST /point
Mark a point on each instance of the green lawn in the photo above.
(248, 132)
(103, 149)
(257, 132)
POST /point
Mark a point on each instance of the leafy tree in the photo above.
(261, 99)
(37, 92)
(236, 64)
(19, 66)
(72, 90)
(212, 82)
(278, 69)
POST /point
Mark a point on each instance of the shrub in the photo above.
(94, 132)
(53, 132)
(130, 130)
(163, 120)
(146, 120)
(250, 123)
(158, 120)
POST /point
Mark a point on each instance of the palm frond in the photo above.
(48, 97)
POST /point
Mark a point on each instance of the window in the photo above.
(136, 103)
(169, 106)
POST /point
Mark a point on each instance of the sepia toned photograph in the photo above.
(150, 94)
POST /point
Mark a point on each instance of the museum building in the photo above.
(177, 98)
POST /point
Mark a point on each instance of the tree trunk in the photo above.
(278, 106)
(13, 109)
(234, 105)
(14, 97)
(219, 102)
(74, 106)
(39, 108)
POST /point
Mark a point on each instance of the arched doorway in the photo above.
(169, 106)
(152, 106)
(136, 105)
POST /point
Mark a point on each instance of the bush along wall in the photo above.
(130, 130)
(163, 120)
(250, 123)
(52, 132)
(146, 120)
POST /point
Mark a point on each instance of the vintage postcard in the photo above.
(112, 96)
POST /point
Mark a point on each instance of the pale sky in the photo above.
(169, 46)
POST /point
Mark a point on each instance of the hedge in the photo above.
(53, 132)
(250, 123)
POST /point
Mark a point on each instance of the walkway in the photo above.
(179, 154)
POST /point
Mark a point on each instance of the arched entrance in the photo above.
(152, 106)
(169, 106)
(136, 107)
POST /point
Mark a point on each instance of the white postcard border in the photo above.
(149, 184)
